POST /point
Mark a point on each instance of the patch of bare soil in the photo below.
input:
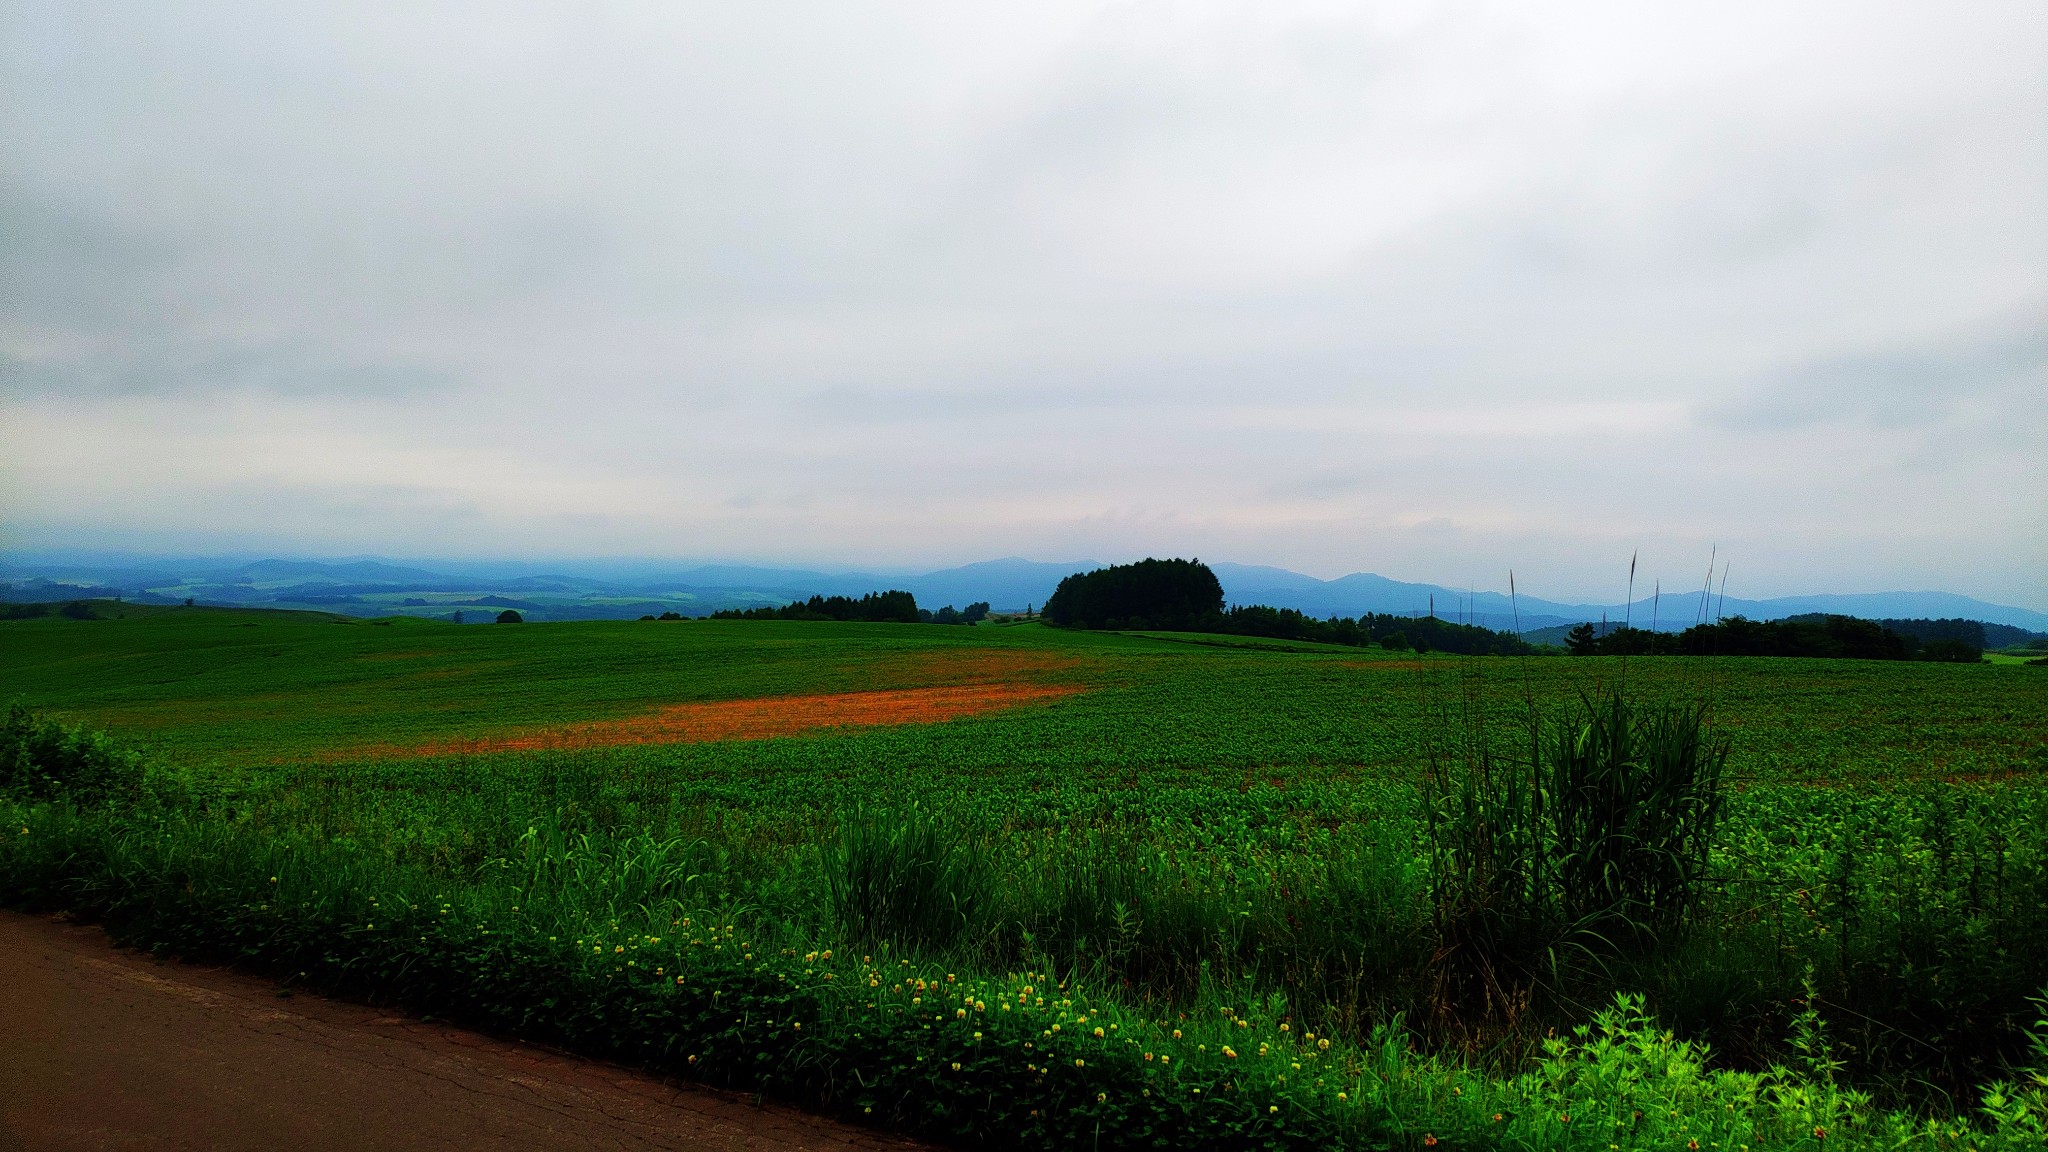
(761, 718)
(101, 1048)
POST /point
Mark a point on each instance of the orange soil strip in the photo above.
(764, 717)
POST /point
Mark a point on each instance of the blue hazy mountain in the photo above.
(599, 589)
(1011, 583)
(1363, 592)
(347, 572)
(1670, 611)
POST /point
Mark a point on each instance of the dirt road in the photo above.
(104, 1049)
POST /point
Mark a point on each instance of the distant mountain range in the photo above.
(1365, 592)
(370, 586)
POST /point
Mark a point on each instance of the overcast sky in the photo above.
(1432, 290)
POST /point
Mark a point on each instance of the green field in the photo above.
(1208, 844)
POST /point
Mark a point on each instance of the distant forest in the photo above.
(892, 607)
(1955, 641)
(1401, 633)
(1185, 596)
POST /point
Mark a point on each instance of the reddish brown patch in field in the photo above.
(763, 717)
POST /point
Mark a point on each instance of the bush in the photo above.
(43, 760)
(508, 616)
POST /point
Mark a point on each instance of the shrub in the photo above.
(41, 759)
(508, 616)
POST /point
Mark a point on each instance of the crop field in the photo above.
(1050, 888)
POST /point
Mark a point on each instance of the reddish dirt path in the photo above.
(760, 718)
(104, 1049)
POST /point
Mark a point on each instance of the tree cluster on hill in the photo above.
(974, 613)
(1816, 635)
(1170, 595)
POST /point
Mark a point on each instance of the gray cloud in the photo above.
(1425, 288)
(283, 370)
(1916, 387)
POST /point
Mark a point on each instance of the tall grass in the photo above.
(904, 877)
(1630, 800)
(1587, 841)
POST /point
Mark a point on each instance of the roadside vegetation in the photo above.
(1217, 897)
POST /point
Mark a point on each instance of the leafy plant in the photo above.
(41, 759)
(2020, 1109)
